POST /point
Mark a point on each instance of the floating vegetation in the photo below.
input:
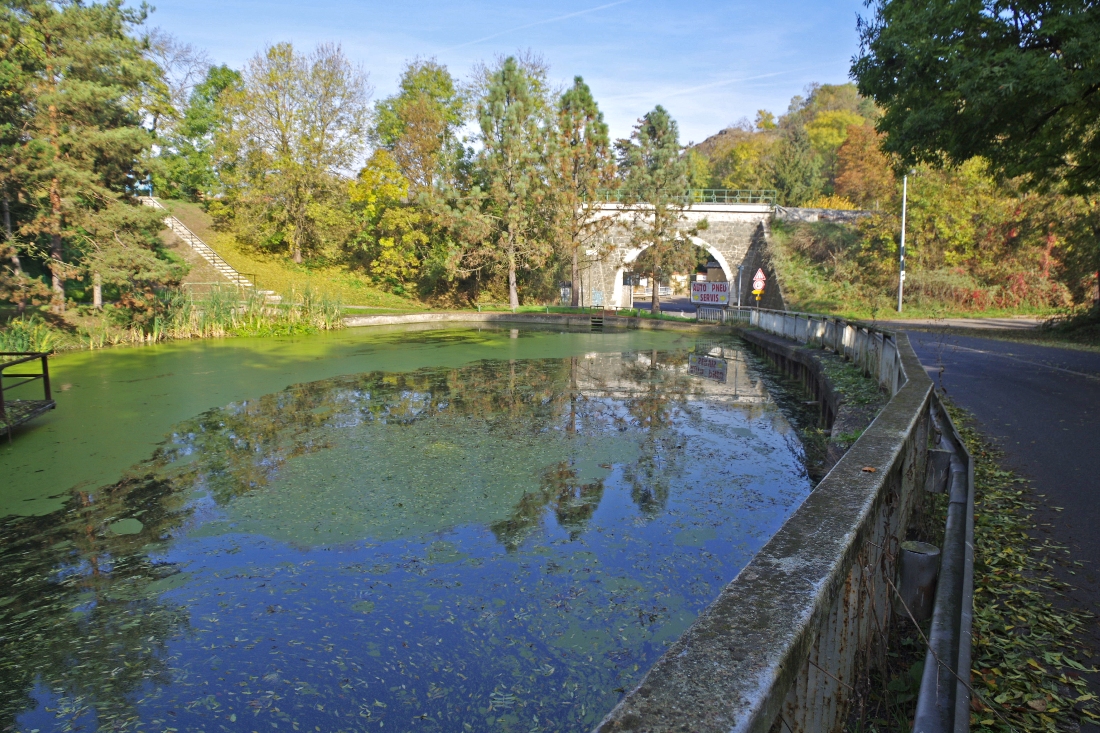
(506, 545)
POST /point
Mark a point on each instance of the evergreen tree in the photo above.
(582, 165)
(83, 80)
(796, 168)
(512, 168)
(655, 184)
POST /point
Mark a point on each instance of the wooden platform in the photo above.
(17, 412)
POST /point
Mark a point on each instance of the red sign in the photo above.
(759, 274)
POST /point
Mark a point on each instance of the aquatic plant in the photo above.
(28, 333)
(220, 312)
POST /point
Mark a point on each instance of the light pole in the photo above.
(901, 254)
(740, 268)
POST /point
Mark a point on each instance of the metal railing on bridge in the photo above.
(707, 314)
(701, 196)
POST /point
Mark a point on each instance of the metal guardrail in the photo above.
(707, 314)
(943, 702)
(703, 196)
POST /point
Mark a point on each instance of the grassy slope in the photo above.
(809, 287)
(278, 273)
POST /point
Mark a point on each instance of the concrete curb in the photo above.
(549, 319)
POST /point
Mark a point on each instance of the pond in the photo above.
(436, 529)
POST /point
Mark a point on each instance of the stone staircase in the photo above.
(207, 252)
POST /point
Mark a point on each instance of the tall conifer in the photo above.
(582, 165)
(513, 166)
(655, 186)
(86, 79)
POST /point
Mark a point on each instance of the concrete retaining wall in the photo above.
(781, 646)
(548, 319)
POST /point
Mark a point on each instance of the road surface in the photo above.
(1042, 405)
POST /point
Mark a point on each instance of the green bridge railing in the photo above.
(705, 196)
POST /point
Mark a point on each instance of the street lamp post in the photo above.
(740, 268)
(901, 255)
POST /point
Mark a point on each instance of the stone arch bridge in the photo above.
(737, 234)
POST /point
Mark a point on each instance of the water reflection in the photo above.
(460, 547)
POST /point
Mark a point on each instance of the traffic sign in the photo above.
(760, 274)
(758, 284)
(713, 293)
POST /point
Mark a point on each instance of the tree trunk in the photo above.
(97, 291)
(16, 264)
(655, 302)
(575, 274)
(297, 256)
(57, 261)
(513, 294)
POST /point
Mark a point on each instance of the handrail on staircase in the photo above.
(241, 280)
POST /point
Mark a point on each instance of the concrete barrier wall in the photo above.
(781, 647)
(580, 320)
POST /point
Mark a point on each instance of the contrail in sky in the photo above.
(691, 90)
(532, 25)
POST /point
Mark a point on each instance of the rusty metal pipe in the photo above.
(919, 569)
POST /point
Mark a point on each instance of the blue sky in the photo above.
(708, 63)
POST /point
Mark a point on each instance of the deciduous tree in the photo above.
(186, 165)
(296, 124)
(419, 125)
(1014, 81)
(863, 174)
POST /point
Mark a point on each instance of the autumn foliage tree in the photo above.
(863, 172)
(419, 125)
(294, 123)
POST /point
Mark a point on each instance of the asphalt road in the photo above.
(1042, 405)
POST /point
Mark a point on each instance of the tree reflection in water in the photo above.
(517, 448)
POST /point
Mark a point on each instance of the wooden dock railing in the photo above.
(17, 412)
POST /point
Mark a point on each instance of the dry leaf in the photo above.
(869, 469)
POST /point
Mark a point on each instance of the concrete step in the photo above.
(205, 251)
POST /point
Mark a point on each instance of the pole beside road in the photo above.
(901, 260)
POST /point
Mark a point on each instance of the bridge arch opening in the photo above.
(619, 294)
